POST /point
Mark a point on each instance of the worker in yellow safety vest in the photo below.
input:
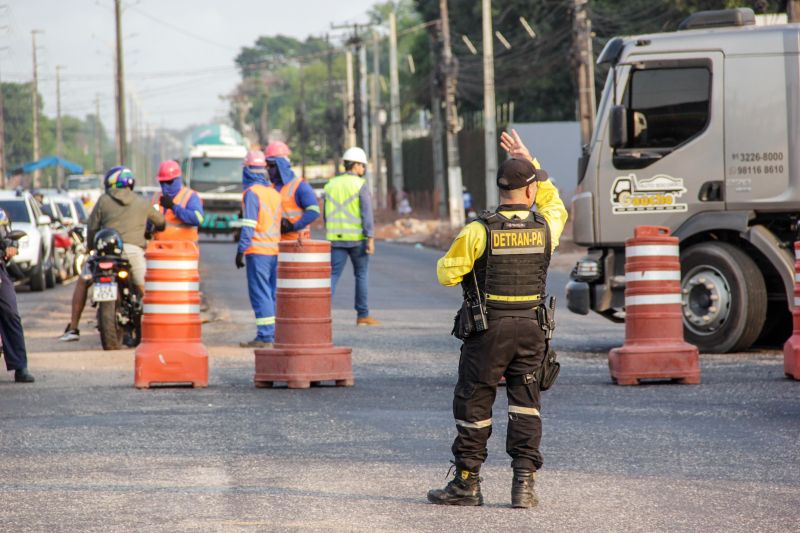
(349, 227)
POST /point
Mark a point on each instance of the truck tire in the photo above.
(37, 275)
(724, 298)
(110, 332)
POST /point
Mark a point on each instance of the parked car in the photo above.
(34, 263)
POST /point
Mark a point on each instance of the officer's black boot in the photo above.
(463, 489)
(23, 376)
(522, 494)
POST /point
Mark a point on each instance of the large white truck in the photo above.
(213, 167)
(698, 130)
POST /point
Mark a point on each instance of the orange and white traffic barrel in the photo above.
(303, 352)
(171, 350)
(654, 346)
(791, 349)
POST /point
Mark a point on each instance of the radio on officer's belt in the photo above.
(477, 309)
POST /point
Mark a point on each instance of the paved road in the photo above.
(84, 451)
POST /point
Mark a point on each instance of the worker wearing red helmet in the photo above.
(181, 206)
(298, 201)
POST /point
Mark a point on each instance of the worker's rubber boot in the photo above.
(523, 496)
(463, 489)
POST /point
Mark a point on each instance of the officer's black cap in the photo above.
(518, 173)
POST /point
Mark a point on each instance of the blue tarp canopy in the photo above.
(49, 161)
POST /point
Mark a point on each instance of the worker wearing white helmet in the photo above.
(349, 227)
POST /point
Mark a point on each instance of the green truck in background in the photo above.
(212, 166)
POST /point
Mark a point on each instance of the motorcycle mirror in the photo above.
(16, 235)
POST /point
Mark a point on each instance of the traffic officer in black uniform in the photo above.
(10, 324)
(501, 261)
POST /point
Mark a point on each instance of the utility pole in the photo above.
(584, 59)
(2, 142)
(333, 134)
(375, 105)
(302, 122)
(362, 94)
(793, 10)
(350, 127)
(98, 145)
(35, 100)
(132, 155)
(436, 126)
(263, 119)
(454, 183)
(120, 71)
(395, 128)
(489, 118)
(59, 131)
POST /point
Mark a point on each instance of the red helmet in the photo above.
(277, 149)
(168, 170)
(255, 158)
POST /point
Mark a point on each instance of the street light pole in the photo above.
(489, 119)
(395, 128)
(454, 182)
(122, 143)
(35, 102)
(59, 130)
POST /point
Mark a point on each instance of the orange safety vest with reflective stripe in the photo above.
(291, 211)
(177, 229)
(267, 233)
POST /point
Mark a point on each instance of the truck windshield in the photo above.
(216, 174)
(16, 210)
(83, 183)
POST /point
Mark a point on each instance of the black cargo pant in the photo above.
(10, 325)
(513, 347)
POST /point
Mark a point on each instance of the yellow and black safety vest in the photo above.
(512, 272)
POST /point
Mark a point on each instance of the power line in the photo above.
(182, 31)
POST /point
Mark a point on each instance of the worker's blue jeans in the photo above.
(261, 284)
(358, 256)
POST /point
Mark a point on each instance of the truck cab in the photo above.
(215, 172)
(697, 130)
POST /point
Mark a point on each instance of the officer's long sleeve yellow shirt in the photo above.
(470, 243)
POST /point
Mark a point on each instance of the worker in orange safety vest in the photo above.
(258, 245)
(298, 201)
(181, 206)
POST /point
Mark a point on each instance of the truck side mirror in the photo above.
(618, 127)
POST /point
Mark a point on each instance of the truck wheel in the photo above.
(110, 332)
(38, 275)
(724, 298)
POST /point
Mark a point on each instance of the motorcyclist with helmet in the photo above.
(10, 324)
(128, 214)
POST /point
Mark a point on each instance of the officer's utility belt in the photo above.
(494, 314)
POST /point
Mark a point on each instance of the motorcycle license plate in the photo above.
(104, 292)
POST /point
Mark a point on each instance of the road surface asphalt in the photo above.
(85, 451)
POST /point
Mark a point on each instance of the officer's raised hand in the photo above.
(514, 145)
(166, 202)
(239, 260)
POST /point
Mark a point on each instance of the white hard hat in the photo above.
(355, 155)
